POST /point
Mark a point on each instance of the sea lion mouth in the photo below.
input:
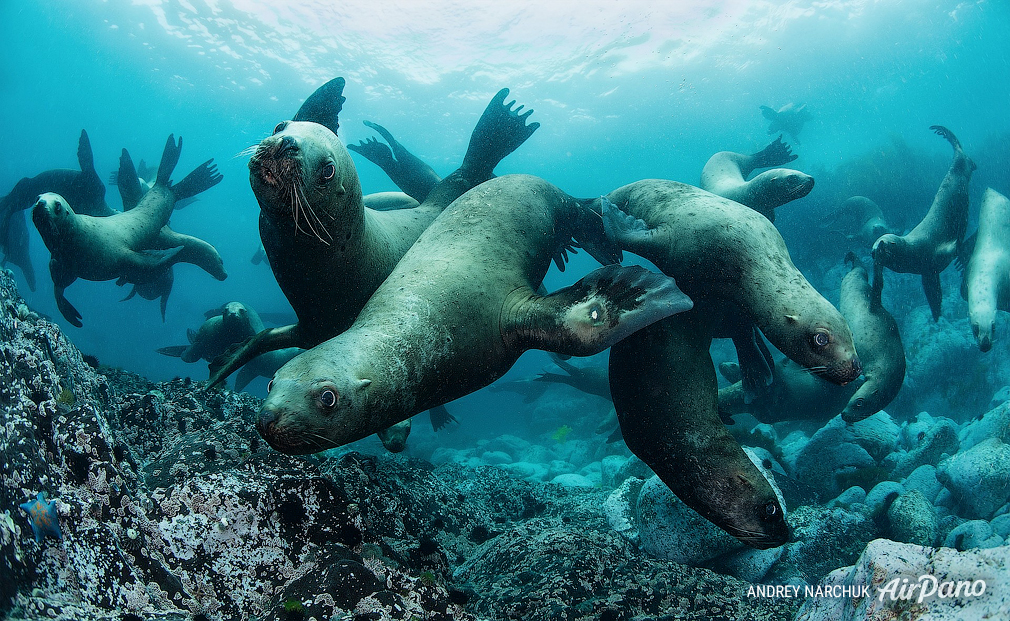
(276, 164)
(275, 171)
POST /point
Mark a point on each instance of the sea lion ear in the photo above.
(792, 319)
(324, 105)
(362, 383)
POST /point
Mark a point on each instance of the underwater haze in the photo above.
(623, 91)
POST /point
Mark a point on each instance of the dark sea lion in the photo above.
(83, 188)
(930, 247)
(328, 251)
(877, 340)
(458, 310)
(987, 275)
(733, 263)
(726, 172)
(232, 323)
(790, 119)
(406, 170)
(119, 246)
(794, 394)
(592, 380)
(858, 219)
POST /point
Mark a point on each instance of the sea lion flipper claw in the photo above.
(67, 309)
(776, 153)
(203, 177)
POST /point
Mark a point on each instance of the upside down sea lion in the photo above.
(121, 245)
(731, 261)
(726, 172)
(930, 247)
(328, 251)
(987, 276)
(457, 312)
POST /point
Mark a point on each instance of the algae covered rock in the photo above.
(977, 478)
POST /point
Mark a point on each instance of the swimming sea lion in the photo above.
(790, 119)
(858, 219)
(877, 340)
(264, 365)
(930, 247)
(458, 310)
(406, 170)
(232, 323)
(117, 246)
(726, 172)
(327, 251)
(732, 262)
(794, 394)
(592, 380)
(987, 276)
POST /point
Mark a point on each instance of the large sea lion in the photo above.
(930, 247)
(120, 246)
(329, 252)
(732, 262)
(83, 188)
(458, 310)
(877, 340)
(986, 283)
(790, 119)
(411, 174)
(726, 172)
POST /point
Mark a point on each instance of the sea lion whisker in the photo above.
(310, 215)
(248, 151)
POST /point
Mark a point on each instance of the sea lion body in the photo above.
(456, 313)
(794, 394)
(790, 119)
(232, 323)
(725, 174)
(930, 247)
(987, 277)
(859, 219)
(877, 340)
(119, 246)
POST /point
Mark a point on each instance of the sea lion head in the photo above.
(983, 324)
(304, 174)
(887, 249)
(315, 404)
(52, 216)
(819, 340)
(395, 438)
(787, 184)
(747, 509)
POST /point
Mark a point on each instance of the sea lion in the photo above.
(790, 119)
(457, 312)
(327, 251)
(725, 174)
(117, 246)
(930, 247)
(858, 219)
(83, 188)
(986, 283)
(592, 380)
(406, 170)
(794, 394)
(733, 263)
(877, 340)
(264, 365)
(232, 323)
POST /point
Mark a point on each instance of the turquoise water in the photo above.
(623, 91)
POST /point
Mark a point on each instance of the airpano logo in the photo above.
(924, 588)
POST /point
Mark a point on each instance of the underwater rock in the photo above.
(883, 566)
(927, 445)
(822, 540)
(852, 496)
(993, 424)
(912, 519)
(977, 478)
(879, 498)
(924, 480)
(971, 535)
(831, 454)
(619, 508)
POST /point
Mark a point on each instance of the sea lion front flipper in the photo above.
(934, 295)
(169, 159)
(324, 105)
(127, 182)
(499, 131)
(440, 417)
(67, 309)
(756, 363)
(776, 153)
(238, 355)
(376, 153)
(203, 177)
(599, 310)
(85, 154)
(409, 172)
(175, 351)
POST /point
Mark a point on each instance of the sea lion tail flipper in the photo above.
(127, 181)
(239, 354)
(85, 155)
(169, 159)
(440, 417)
(203, 177)
(947, 135)
(499, 131)
(934, 295)
(599, 310)
(776, 153)
(175, 351)
(324, 105)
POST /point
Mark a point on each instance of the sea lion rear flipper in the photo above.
(203, 177)
(127, 181)
(324, 105)
(239, 354)
(776, 153)
(175, 351)
(499, 131)
(376, 153)
(169, 159)
(411, 174)
(85, 155)
(756, 363)
(440, 417)
(599, 310)
(934, 295)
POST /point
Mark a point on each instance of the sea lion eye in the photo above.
(270, 385)
(328, 398)
(771, 510)
(280, 127)
(821, 340)
(859, 402)
(328, 171)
